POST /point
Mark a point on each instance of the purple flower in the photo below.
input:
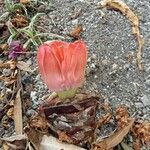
(15, 48)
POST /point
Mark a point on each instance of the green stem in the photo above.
(67, 94)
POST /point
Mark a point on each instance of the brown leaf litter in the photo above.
(121, 117)
(141, 134)
(74, 121)
(17, 142)
(75, 32)
(125, 10)
(19, 21)
(18, 121)
(115, 139)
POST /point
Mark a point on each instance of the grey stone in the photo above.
(146, 100)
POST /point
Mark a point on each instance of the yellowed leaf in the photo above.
(116, 138)
(18, 114)
(23, 66)
(125, 10)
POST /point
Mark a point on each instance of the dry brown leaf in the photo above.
(19, 21)
(114, 139)
(10, 112)
(141, 133)
(125, 10)
(18, 114)
(75, 33)
(8, 80)
(18, 142)
(3, 48)
(23, 66)
(137, 144)
(37, 127)
(8, 64)
(25, 2)
(121, 117)
(64, 137)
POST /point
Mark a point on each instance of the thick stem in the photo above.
(67, 94)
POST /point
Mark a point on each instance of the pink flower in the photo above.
(62, 64)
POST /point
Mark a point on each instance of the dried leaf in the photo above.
(8, 64)
(73, 122)
(141, 133)
(51, 143)
(19, 21)
(17, 142)
(23, 66)
(3, 48)
(3, 28)
(121, 117)
(116, 138)
(10, 112)
(75, 33)
(37, 127)
(18, 114)
(125, 10)
(25, 2)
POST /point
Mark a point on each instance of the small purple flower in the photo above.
(15, 48)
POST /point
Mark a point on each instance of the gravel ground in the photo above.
(111, 70)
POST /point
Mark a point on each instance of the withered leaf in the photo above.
(77, 120)
(3, 28)
(23, 66)
(25, 2)
(125, 10)
(51, 143)
(75, 33)
(19, 21)
(18, 114)
(15, 142)
(116, 138)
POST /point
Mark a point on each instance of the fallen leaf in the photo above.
(23, 66)
(51, 143)
(75, 33)
(19, 21)
(114, 139)
(141, 133)
(73, 122)
(17, 142)
(3, 48)
(34, 136)
(125, 10)
(37, 127)
(18, 114)
(121, 117)
(10, 112)
(8, 64)
(8, 80)
(25, 2)
(3, 28)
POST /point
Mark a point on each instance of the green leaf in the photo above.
(9, 5)
(26, 31)
(11, 30)
(4, 16)
(13, 36)
(20, 6)
(125, 146)
(33, 20)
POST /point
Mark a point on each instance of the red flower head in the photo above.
(62, 65)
